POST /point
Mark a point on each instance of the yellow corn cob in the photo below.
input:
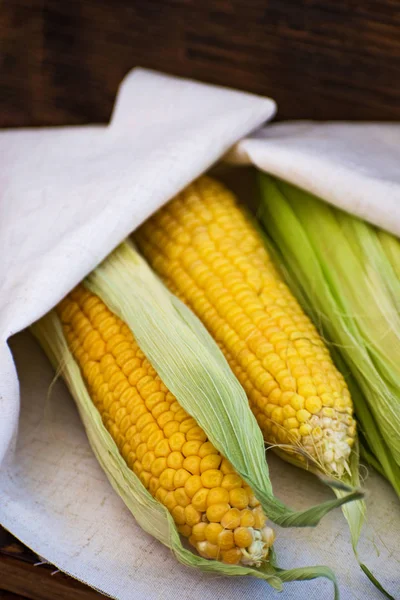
(210, 255)
(159, 441)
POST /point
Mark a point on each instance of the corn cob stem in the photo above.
(159, 441)
(209, 255)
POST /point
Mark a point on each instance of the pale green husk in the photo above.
(343, 272)
(193, 368)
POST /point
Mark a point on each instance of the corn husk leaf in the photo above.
(340, 274)
(193, 368)
(371, 444)
(151, 515)
(391, 248)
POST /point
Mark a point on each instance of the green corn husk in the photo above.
(194, 369)
(344, 272)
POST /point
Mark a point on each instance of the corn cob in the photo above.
(160, 442)
(210, 255)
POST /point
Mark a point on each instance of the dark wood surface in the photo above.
(22, 577)
(62, 61)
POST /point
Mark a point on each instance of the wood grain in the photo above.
(21, 574)
(9, 596)
(10, 546)
(38, 583)
(61, 62)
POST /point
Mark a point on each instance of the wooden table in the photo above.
(22, 576)
(61, 62)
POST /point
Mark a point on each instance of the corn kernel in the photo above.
(196, 433)
(169, 501)
(212, 461)
(192, 515)
(141, 451)
(145, 478)
(199, 500)
(305, 430)
(317, 433)
(294, 434)
(158, 466)
(328, 412)
(303, 415)
(212, 478)
(165, 418)
(288, 411)
(148, 460)
(217, 511)
(290, 424)
(191, 448)
(180, 478)
(225, 540)
(231, 519)
(176, 441)
(217, 495)
(154, 399)
(231, 481)
(186, 424)
(259, 518)
(160, 408)
(162, 448)
(208, 550)
(192, 464)
(192, 485)
(313, 404)
(175, 460)
(154, 485)
(207, 448)
(212, 532)
(129, 394)
(243, 537)
(277, 415)
(169, 429)
(181, 497)
(226, 467)
(186, 531)
(167, 479)
(232, 556)
(178, 514)
(135, 376)
(275, 396)
(161, 494)
(247, 518)
(238, 498)
(199, 531)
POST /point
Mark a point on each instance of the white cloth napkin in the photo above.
(67, 197)
(354, 166)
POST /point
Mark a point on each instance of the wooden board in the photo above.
(20, 574)
(61, 62)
